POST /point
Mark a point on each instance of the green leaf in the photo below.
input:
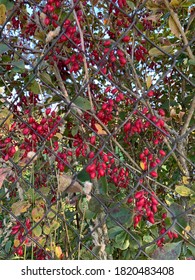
(37, 231)
(46, 229)
(180, 214)
(183, 190)
(147, 238)
(103, 185)
(131, 4)
(45, 190)
(34, 87)
(54, 226)
(8, 246)
(192, 249)
(150, 249)
(46, 78)
(74, 130)
(122, 214)
(53, 213)
(122, 241)
(82, 103)
(19, 66)
(114, 231)
(95, 206)
(9, 4)
(3, 48)
(191, 61)
(83, 176)
(169, 251)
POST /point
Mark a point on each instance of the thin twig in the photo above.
(84, 59)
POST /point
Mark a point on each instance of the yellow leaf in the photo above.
(173, 27)
(185, 180)
(183, 191)
(2, 14)
(142, 165)
(58, 252)
(148, 81)
(16, 242)
(59, 135)
(100, 130)
(175, 3)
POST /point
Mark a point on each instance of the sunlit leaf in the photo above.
(183, 190)
(173, 27)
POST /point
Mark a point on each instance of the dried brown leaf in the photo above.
(67, 184)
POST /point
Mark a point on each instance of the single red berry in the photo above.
(150, 93)
(154, 174)
(162, 153)
(26, 131)
(93, 139)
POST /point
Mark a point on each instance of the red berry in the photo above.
(26, 131)
(93, 175)
(150, 93)
(101, 172)
(126, 39)
(91, 154)
(162, 153)
(92, 140)
(154, 174)
(151, 219)
(47, 21)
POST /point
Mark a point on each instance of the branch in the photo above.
(189, 117)
(84, 58)
(63, 89)
(177, 22)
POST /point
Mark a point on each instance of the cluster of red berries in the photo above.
(50, 9)
(8, 148)
(148, 161)
(106, 166)
(171, 234)
(18, 231)
(63, 159)
(145, 206)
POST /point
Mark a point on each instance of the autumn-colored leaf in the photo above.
(156, 52)
(173, 27)
(100, 130)
(175, 3)
(37, 231)
(148, 81)
(66, 183)
(3, 174)
(37, 214)
(2, 14)
(58, 252)
(183, 190)
(143, 165)
(52, 34)
(20, 207)
(185, 180)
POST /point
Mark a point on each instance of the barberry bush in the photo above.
(96, 129)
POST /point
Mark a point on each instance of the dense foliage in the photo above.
(96, 129)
